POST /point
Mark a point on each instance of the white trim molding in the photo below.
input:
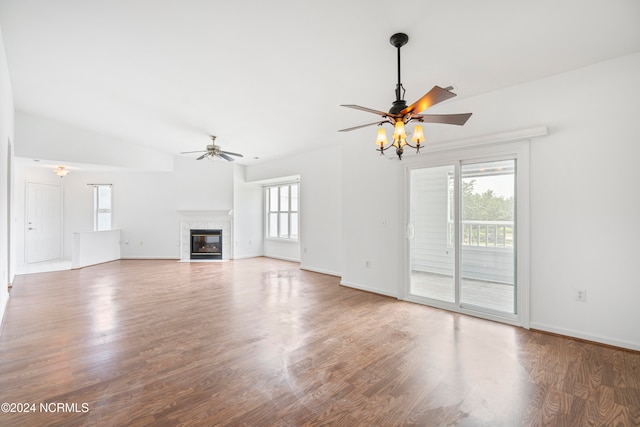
(494, 139)
(582, 336)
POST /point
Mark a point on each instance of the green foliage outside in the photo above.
(486, 206)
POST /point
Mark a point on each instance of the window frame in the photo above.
(280, 212)
(512, 145)
(97, 210)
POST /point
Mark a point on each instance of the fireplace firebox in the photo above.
(206, 244)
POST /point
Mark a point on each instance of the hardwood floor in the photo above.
(259, 342)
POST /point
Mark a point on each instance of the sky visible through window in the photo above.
(501, 185)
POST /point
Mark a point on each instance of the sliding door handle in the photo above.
(410, 232)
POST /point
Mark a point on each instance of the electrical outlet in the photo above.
(581, 295)
(367, 264)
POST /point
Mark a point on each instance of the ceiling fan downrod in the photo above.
(398, 40)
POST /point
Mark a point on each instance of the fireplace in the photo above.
(206, 244)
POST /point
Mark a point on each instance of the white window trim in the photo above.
(267, 211)
(97, 211)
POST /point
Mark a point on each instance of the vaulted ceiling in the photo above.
(267, 77)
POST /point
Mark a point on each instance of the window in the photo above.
(282, 215)
(101, 207)
(488, 198)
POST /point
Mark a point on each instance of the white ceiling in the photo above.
(267, 77)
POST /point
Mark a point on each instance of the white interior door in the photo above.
(43, 222)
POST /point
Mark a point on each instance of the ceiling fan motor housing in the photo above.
(397, 107)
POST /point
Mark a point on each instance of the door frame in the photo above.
(516, 145)
(26, 222)
(9, 212)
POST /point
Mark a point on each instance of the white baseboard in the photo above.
(368, 289)
(247, 256)
(584, 336)
(3, 311)
(320, 270)
(282, 258)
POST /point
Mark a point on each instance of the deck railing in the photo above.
(490, 234)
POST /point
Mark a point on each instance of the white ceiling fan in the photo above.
(214, 151)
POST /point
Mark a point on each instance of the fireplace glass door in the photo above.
(206, 244)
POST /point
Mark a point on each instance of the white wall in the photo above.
(372, 217)
(7, 262)
(247, 216)
(585, 203)
(320, 205)
(95, 247)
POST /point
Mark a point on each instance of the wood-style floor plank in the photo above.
(259, 342)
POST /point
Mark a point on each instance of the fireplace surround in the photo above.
(205, 220)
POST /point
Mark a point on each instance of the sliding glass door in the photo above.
(432, 269)
(487, 224)
(462, 236)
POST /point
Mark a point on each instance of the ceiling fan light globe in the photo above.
(381, 140)
(418, 135)
(399, 131)
(61, 171)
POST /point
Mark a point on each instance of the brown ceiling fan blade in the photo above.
(362, 126)
(191, 152)
(433, 97)
(203, 156)
(224, 156)
(368, 110)
(233, 154)
(448, 119)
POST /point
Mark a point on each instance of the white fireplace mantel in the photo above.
(205, 219)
